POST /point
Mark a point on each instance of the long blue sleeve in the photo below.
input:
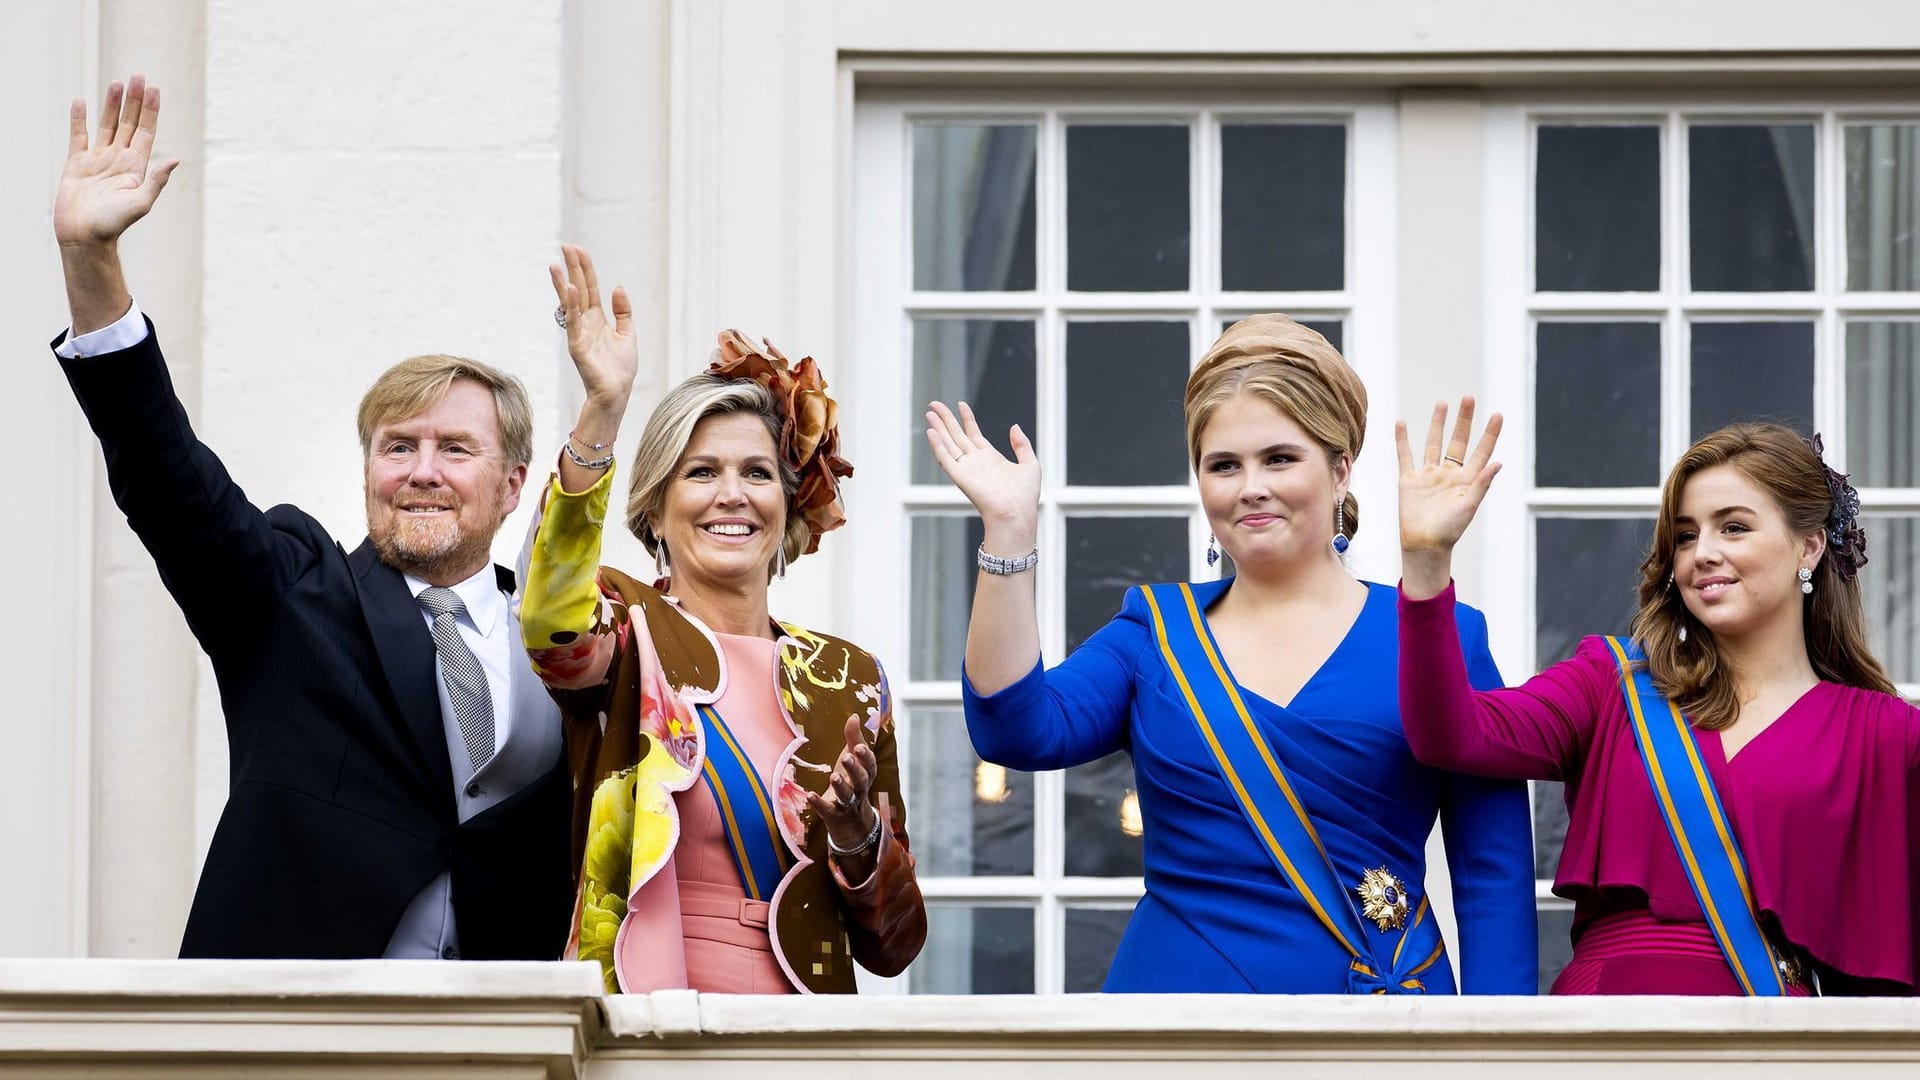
(1072, 714)
(1487, 825)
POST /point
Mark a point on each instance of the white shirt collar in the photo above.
(481, 593)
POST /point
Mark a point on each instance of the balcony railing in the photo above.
(418, 1018)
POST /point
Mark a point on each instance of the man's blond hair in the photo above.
(417, 384)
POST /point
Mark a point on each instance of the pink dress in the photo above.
(1825, 804)
(728, 948)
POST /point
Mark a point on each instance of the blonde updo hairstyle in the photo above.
(1294, 369)
(665, 440)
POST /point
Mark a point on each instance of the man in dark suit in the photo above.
(397, 782)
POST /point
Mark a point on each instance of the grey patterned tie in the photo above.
(466, 683)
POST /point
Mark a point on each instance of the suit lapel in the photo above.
(405, 648)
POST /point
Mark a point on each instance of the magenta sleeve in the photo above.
(1536, 731)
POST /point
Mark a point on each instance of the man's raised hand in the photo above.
(110, 184)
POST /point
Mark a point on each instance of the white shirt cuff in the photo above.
(128, 331)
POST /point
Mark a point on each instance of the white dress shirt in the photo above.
(123, 333)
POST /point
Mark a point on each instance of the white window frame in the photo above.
(1512, 307)
(878, 535)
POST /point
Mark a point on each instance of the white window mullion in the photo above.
(1676, 358)
(1830, 254)
(1504, 524)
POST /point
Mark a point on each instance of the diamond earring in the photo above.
(1806, 580)
(1340, 528)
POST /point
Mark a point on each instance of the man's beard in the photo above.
(429, 550)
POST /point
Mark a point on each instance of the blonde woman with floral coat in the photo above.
(737, 814)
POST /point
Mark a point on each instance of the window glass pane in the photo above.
(1883, 398)
(1108, 555)
(1127, 207)
(1334, 330)
(969, 818)
(1103, 820)
(1556, 943)
(1596, 393)
(1883, 206)
(1093, 934)
(1750, 206)
(1283, 206)
(988, 363)
(1887, 591)
(1124, 385)
(973, 206)
(1586, 577)
(942, 571)
(975, 950)
(1752, 371)
(1596, 209)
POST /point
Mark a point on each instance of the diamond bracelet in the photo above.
(1003, 566)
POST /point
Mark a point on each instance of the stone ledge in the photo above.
(263, 1017)
(423, 1018)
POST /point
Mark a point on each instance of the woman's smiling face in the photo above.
(725, 513)
(1735, 561)
(1266, 485)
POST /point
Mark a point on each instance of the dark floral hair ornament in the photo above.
(809, 428)
(1846, 540)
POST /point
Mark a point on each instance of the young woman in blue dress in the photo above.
(1285, 819)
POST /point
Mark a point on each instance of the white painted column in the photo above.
(615, 164)
(1441, 269)
(1440, 303)
(142, 854)
(45, 642)
(758, 173)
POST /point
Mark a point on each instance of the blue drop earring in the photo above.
(1340, 528)
(1213, 550)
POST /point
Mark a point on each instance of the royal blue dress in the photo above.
(1217, 916)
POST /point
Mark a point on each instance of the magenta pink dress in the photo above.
(1825, 803)
(728, 948)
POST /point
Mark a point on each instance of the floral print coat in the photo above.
(629, 668)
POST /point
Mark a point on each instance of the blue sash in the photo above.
(1698, 825)
(1268, 801)
(746, 811)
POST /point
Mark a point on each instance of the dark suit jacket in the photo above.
(341, 806)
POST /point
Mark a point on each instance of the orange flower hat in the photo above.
(809, 433)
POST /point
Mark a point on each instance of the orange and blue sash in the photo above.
(746, 811)
(1266, 797)
(1698, 825)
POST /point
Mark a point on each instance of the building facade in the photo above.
(1621, 224)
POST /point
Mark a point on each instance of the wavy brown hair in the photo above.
(1690, 673)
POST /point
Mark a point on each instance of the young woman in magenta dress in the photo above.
(1285, 818)
(1741, 778)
